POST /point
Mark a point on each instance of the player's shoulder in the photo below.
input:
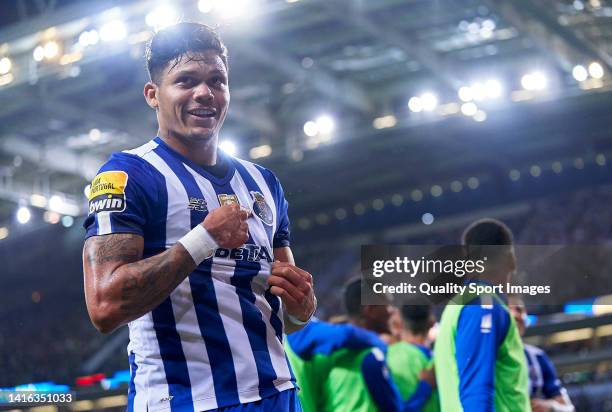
(538, 353)
(265, 172)
(533, 350)
(410, 349)
(130, 161)
(482, 305)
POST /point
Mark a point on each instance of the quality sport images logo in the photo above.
(107, 192)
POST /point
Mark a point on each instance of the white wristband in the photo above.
(298, 322)
(199, 243)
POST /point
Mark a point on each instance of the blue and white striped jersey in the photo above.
(217, 339)
(543, 380)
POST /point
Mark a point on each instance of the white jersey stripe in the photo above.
(183, 308)
(143, 150)
(244, 362)
(263, 185)
(104, 223)
(258, 232)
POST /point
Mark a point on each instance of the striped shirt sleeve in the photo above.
(120, 197)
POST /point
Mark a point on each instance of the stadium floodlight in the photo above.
(427, 218)
(325, 124)
(534, 81)
(415, 104)
(161, 17)
(51, 217)
(473, 183)
(514, 175)
(39, 53)
(228, 147)
(257, 152)
(480, 116)
(4, 232)
(465, 93)
(5, 65)
(469, 109)
(23, 215)
(233, 9)
(596, 70)
(384, 122)
(51, 49)
(206, 6)
(488, 24)
(493, 89)
(478, 91)
(95, 134)
(89, 38)
(113, 31)
(67, 221)
(311, 129)
(430, 101)
(456, 186)
(580, 73)
(56, 203)
(38, 200)
(436, 190)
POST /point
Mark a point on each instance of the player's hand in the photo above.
(540, 405)
(429, 376)
(294, 286)
(228, 225)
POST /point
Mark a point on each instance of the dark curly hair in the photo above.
(182, 40)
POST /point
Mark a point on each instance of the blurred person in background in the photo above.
(545, 389)
(395, 327)
(312, 352)
(480, 365)
(410, 359)
(191, 248)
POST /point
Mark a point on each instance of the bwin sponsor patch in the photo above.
(107, 192)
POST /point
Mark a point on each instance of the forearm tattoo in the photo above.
(137, 285)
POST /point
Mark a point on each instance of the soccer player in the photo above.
(547, 393)
(343, 366)
(190, 247)
(411, 361)
(480, 365)
(312, 352)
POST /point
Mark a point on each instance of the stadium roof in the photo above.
(358, 62)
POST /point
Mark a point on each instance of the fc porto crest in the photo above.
(261, 209)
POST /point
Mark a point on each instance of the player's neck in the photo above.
(203, 153)
(415, 339)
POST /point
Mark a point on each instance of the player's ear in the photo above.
(150, 94)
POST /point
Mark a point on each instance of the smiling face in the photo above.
(191, 97)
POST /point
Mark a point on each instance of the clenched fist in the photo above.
(228, 226)
(294, 286)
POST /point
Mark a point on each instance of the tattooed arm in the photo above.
(120, 286)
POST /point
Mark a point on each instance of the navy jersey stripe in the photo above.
(252, 318)
(252, 186)
(273, 301)
(205, 301)
(173, 357)
(132, 386)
